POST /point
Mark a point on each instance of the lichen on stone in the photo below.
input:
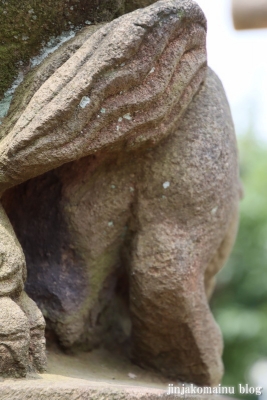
(29, 27)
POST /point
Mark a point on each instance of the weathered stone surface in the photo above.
(22, 343)
(146, 65)
(25, 29)
(126, 143)
(37, 354)
(95, 375)
(13, 266)
(14, 339)
(96, 203)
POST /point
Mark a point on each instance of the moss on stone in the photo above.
(131, 5)
(8, 69)
(26, 27)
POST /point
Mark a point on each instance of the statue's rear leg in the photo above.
(95, 204)
(221, 255)
(173, 329)
(71, 224)
(183, 216)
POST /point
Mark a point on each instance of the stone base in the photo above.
(98, 375)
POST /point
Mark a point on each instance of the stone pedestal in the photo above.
(98, 375)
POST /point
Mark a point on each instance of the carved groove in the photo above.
(138, 74)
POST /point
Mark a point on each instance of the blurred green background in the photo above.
(240, 300)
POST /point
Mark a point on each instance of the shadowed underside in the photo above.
(124, 152)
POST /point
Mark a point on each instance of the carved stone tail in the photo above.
(128, 84)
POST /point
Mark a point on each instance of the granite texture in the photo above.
(96, 375)
(119, 173)
(26, 29)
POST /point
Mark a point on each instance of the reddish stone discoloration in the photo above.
(154, 198)
(113, 71)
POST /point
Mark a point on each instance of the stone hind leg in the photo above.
(80, 213)
(187, 195)
(221, 255)
(96, 211)
(173, 329)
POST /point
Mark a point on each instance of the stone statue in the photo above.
(118, 172)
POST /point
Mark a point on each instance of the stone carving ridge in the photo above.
(129, 105)
(163, 47)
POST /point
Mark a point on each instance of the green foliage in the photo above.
(240, 301)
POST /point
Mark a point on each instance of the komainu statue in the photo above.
(119, 183)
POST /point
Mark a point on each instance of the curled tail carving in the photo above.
(129, 83)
